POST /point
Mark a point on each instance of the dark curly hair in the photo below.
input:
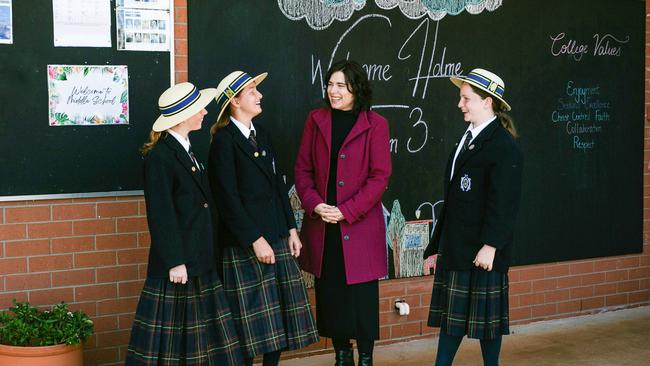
(358, 84)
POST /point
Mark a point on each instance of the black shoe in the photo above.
(344, 357)
(365, 359)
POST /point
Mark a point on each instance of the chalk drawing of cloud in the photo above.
(319, 14)
(438, 9)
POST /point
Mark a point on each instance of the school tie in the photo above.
(468, 139)
(196, 162)
(252, 139)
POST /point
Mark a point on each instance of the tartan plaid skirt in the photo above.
(269, 302)
(187, 324)
(472, 303)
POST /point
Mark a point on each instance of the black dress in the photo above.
(343, 311)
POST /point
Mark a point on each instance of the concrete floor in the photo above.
(612, 338)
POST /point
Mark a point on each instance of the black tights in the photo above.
(363, 345)
(270, 359)
(448, 345)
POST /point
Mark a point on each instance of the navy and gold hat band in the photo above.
(486, 83)
(232, 90)
(182, 104)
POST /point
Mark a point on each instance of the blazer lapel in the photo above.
(248, 149)
(475, 146)
(184, 159)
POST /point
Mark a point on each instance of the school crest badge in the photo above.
(465, 183)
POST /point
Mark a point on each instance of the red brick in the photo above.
(93, 227)
(390, 317)
(144, 240)
(418, 314)
(639, 297)
(13, 232)
(27, 248)
(629, 262)
(49, 230)
(521, 287)
(73, 212)
(605, 265)
(115, 338)
(520, 313)
(569, 306)
(90, 308)
(593, 303)
(105, 323)
(28, 282)
(569, 282)
(614, 276)
(119, 273)
(116, 241)
(531, 299)
(125, 321)
(181, 17)
(605, 289)
(628, 286)
(405, 330)
(132, 256)
(100, 356)
(638, 273)
(557, 296)
(384, 332)
(614, 300)
(544, 310)
(580, 268)
(582, 292)
(50, 263)
(2, 215)
(592, 279)
(51, 297)
(13, 265)
(180, 32)
(388, 289)
(27, 214)
(181, 75)
(96, 292)
(557, 270)
(142, 208)
(384, 305)
(180, 47)
(117, 209)
(132, 225)
(117, 306)
(127, 289)
(644, 261)
(75, 244)
(531, 273)
(75, 277)
(419, 286)
(94, 259)
(544, 285)
(6, 298)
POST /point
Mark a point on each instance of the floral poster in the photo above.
(86, 95)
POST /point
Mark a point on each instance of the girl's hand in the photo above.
(263, 251)
(485, 257)
(178, 274)
(294, 243)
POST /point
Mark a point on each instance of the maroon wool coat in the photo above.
(364, 167)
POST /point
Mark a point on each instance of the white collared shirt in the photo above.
(242, 127)
(475, 132)
(185, 142)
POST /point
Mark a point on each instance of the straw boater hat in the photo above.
(486, 81)
(231, 85)
(181, 102)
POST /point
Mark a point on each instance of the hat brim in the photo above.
(257, 80)
(459, 80)
(166, 122)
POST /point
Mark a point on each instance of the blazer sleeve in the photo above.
(283, 190)
(226, 192)
(304, 169)
(503, 194)
(380, 168)
(165, 232)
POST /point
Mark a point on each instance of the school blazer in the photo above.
(179, 211)
(250, 193)
(481, 201)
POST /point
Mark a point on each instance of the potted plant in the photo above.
(29, 336)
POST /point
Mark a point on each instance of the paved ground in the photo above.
(612, 338)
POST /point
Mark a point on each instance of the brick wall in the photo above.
(92, 253)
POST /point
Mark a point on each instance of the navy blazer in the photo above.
(249, 191)
(179, 211)
(481, 201)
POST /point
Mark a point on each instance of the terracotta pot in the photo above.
(59, 355)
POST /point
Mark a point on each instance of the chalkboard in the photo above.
(574, 73)
(38, 159)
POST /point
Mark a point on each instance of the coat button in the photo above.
(205, 205)
(341, 183)
(346, 237)
(342, 156)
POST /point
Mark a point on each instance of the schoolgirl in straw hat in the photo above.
(473, 236)
(257, 231)
(183, 317)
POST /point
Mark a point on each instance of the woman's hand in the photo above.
(263, 251)
(485, 257)
(178, 274)
(294, 243)
(329, 214)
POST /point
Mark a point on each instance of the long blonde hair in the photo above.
(499, 110)
(153, 140)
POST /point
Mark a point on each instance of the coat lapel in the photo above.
(184, 159)
(248, 150)
(324, 125)
(360, 126)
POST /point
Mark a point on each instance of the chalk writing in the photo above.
(605, 45)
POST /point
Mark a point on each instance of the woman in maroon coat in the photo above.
(342, 170)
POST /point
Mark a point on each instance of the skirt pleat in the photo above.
(187, 324)
(269, 303)
(472, 303)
